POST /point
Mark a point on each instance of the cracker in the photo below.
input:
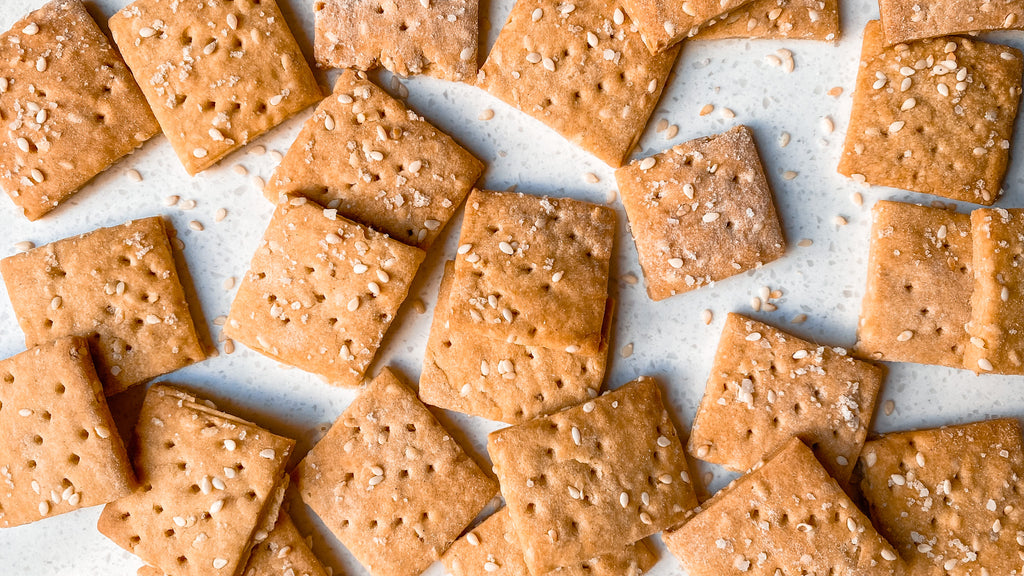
(664, 23)
(908, 20)
(777, 19)
(60, 448)
(767, 386)
(321, 292)
(700, 212)
(217, 74)
(70, 105)
(950, 499)
(208, 484)
(390, 482)
(378, 163)
(948, 132)
(433, 37)
(788, 516)
(502, 381)
(566, 476)
(533, 270)
(582, 70)
(996, 328)
(118, 288)
(493, 550)
(919, 285)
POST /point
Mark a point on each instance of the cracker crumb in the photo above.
(627, 350)
(486, 115)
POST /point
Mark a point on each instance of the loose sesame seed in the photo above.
(133, 175)
(827, 125)
(706, 316)
(171, 200)
(196, 225)
(220, 214)
(841, 221)
(706, 109)
(626, 350)
(24, 246)
(728, 113)
(789, 175)
(485, 115)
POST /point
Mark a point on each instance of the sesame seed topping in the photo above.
(219, 563)
(230, 445)
(506, 247)
(588, 407)
(985, 365)
(216, 506)
(41, 64)
(728, 113)
(232, 21)
(896, 126)
(576, 437)
(888, 554)
(25, 412)
(618, 17)
(647, 163)
(537, 14)
(329, 122)
(646, 518)
(663, 441)
(200, 152)
(710, 217)
(473, 539)
(31, 30)
(898, 479)
(753, 337)
(23, 144)
(268, 453)
(44, 508)
(675, 262)
(703, 451)
(490, 566)
(904, 336)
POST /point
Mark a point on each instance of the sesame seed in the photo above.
(896, 126)
(889, 407)
(827, 125)
(216, 506)
(618, 17)
(56, 303)
(537, 14)
(626, 350)
(329, 122)
(672, 132)
(490, 566)
(675, 262)
(942, 88)
(908, 104)
(572, 349)
(898, 479)
(268, 453)
(219, 563)
(41, 64)
(353, 304)
(375, 155)
(506, 247)
(784, 139)
(576, 438)
(753, 337)
(647, 163)
(171, 200)
(728, 113)
(710, 217)
(707, 316)
(220, 214)
(575, 493)
(985, 364)
(230, 445)
(588, 407)
(466, 54)
(1004, 294)
(485, 115)
(25, 412)
(31, 30)
(548, 64)
(1006, 56)
(200, 152)
(888, 554)
(624, 499)
(645, 518)
(23, 144)
(44, 508)
(276, 99)
(789, 175)
(706, 109)
(473, 539)
(841, 221)
(196, 225)
(904, 336)
(232, 21)
(703, 451)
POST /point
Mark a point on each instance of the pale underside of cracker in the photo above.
(908, 20)
(767, 386)
(934, 116)
(533, 270)
(787, 515)
(664, 23)
(321, 292)
(60, 448)
(217, 73)
(591, 479)
(209, 484)
(378, 163)
(390, 482)
(950, 499)
(70, 104)
(502, 381)
(433, 37)
(583, 71)
(919, 286)
(777, 19)
(700, 212)
(118, 288)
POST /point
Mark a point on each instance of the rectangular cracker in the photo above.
(582, 69)
(70, 105)
(943, 129)
(920, 277)
(592, 479)
(503, 381)
(59, 447)
(908, 20)
(321, 292)
(118, 288)
(390, 482)
(951, 499)
(208, 484)
(700, 212)
(533, 270)
(492, 549)
(787, 516)
(996, 328)
(378, 163)
(433, 37)
(777, 19)
(665, 23)
(216, 74)
(767, 386)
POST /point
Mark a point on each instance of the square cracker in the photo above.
(777, 19)
(700, 212)
(592, 479)
(70, 105)
(664, 23)
(117, 287)
(433, 37)
(321, 292)
(908, 20)
(390, 482)
(943, 129)
(997, 302)
(493, 550)
(503, 381)
(217, 73)
(787, 516)
(60, 449)
(409, 191)
(208, 484)
(581, 69)
(950, 499)
(767, 386)
(920, 278)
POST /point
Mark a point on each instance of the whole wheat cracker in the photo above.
(908, 20)
(776, 19)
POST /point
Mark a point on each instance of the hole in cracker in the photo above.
(31, 464)
(37, 439)
(135, 539)
(169, 533)
(251, 495)
(47, 323)
(182, 560)
(45, 415)
(158, 509)
(558, 381)
(531, 509)
(8, 378)
(83, 434)
(74, 459)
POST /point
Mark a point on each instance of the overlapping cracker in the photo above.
(499, 380)
(321, 292)
(209, 485)
(433, 37)
(59, 447)
(390, 482)
(951, 500)
(934, 116)
(378, 163)
(767, 386)
(217, 73)
(908, 20)
(592, 479)
(786, 517)
(919, 285)
(700, 212)
(664, 23)
(582, 69)
(776, 19)
(118, 288)
(70, 105)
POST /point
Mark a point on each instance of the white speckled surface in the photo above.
(824, 281)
